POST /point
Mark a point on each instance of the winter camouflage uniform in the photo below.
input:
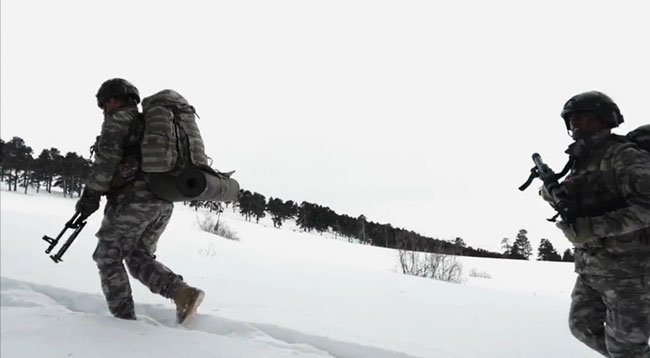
(134, 218)
(610, 183)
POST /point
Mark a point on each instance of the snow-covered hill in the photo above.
(273, 293)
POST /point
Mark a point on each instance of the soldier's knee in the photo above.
(132, 265)
(137, 258)
(110, 269)
(107, 255)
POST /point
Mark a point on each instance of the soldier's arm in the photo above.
(110, 149)
(632, 167)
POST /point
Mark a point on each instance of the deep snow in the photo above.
(273, 293)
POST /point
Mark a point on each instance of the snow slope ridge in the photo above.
(40, 320)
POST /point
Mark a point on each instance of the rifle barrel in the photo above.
(537, 159)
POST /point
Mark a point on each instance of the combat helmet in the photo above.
(118, 88)
(596, 102)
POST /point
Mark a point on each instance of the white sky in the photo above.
(417, 113)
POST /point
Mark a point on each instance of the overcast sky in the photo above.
(422, 114)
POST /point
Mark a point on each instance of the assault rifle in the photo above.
(562, 203)
(77, 222)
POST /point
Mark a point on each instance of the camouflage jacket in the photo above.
(610, 183)
(116, 166)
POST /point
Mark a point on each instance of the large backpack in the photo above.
(171, 141)
(173, 156)
(641, 137)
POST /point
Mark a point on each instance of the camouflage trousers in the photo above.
(612, 315)
(129, 233)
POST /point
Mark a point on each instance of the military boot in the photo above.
(187, 299)
(122, 309)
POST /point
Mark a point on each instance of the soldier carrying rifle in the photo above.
(604, 203)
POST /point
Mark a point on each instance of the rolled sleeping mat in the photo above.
(199, 184)
(202, 184)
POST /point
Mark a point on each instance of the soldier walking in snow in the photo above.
(609, 190)
(134, 218)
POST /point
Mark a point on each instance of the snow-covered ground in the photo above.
(273, 293)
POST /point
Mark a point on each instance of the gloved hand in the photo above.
(578, 233)
(88, 203)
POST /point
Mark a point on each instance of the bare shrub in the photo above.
(437, 266)
(479, 274)
(428, 259)
(210, 223)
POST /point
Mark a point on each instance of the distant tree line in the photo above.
(312, 217)
(521, 249)
(18, 168)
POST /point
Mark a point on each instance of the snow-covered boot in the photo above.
(122, 308)
(187, 299)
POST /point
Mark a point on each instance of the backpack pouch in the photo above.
(197, 148)
(159, 152)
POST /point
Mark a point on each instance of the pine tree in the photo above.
(521, 249)
(27, 168)
(280, 211)
(546, 252)
(289, 209)
(2, 160)
(16, 157)
(245, 204)
(568, 255)
(45, 168)
(305, 218)
(506, 247)
(74, 170)
(273, 207)
(362, 229)
(258, 206)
